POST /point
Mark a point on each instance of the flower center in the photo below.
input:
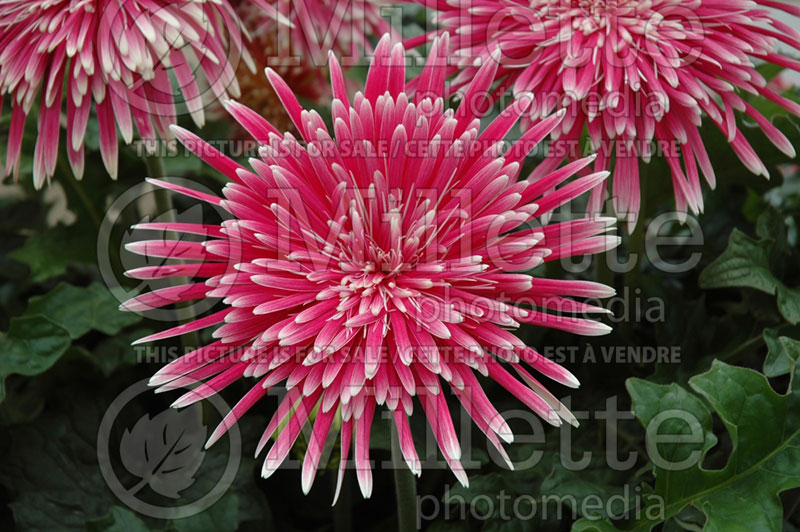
(590, 8)
(590, 15)
(600, 7)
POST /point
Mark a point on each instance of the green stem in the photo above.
(636, 245)
(792, 506)
(342, 517)
(155, 169)
(405, 488)
(636, 239)
(78, 187)
(166, 210)
(602, 271)
(752, 343)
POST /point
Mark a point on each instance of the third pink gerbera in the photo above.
(307, 81)
(384, 262)
(310, 29)
(631, 72)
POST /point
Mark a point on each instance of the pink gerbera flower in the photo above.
(117, 53)
(630, 73)
(377, 264)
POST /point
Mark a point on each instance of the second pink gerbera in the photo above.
(631, 74)
(117, 54)
(384, 262)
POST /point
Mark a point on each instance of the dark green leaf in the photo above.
(757, 264)
(45, 252)
(224, 515)
(744, 264)
(50, 469)
(593, 525)
(117, 520)
(31, 346)
(765, 460)
(80, 309)
(783, 354)
(116, 351)
(671, 410)
(589, 490)
(789, 304)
